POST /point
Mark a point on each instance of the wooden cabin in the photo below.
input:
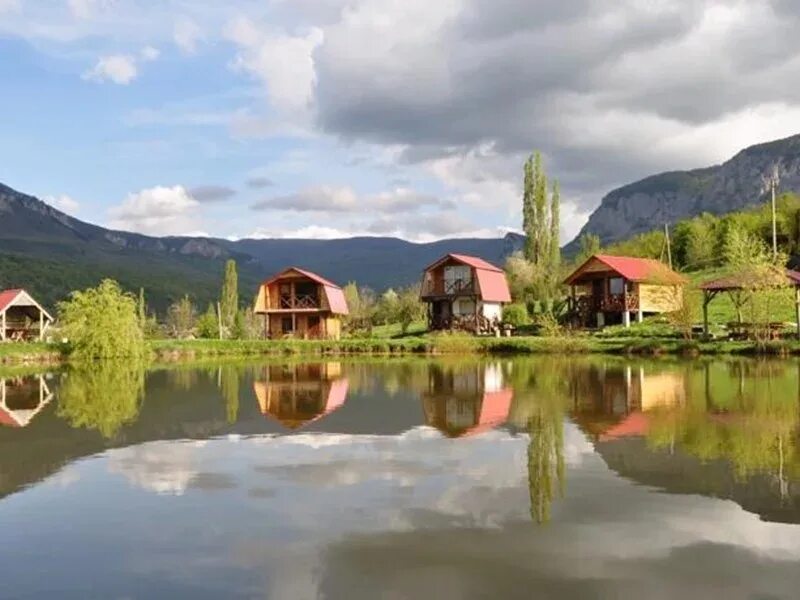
(299, 303)
(464, 292)
(297, 395)
(21, 317)
(466, 401)
(607, 290)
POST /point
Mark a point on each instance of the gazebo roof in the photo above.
(740, 281)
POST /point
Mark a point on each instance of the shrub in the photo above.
(516, 314)
(102, 322)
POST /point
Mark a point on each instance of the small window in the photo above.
(616, 286)
(286, 325)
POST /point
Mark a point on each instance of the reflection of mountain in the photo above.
(467, 400)
(21, 399)
(296, 395)
(678, 472)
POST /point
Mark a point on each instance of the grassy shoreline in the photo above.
(181, 350)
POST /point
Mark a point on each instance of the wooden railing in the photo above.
(453, 287)
(305, 301)
(620, 303)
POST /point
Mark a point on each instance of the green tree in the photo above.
(589, 244)
(700, 252)
(229, 297)
(361, 308)
(102, 322)
(142, 309)
(181, 317)
(409, 308)
(555, 231)
(208, 324)
(528, 209)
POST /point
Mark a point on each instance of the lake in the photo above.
(403, 478)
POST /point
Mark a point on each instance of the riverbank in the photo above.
(179, 350)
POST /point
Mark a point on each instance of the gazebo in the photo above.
(21, 317)
(735, 284)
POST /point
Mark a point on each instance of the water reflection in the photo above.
(22, 398)
(466, 400)
(406, 476)
(299, 394)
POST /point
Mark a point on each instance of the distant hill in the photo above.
(670, 197)
(51, 254)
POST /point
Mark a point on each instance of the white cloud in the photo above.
(82, 9)
(149, 53)
(118, 68)
(284, 63)
(9, 6)
(63, 203)
(158, 211)
(187, 35)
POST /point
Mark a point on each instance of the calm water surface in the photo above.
(540, 478)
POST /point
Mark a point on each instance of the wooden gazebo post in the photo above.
(797, 308)
(708, 296)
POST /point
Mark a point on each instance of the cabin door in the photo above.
(598, 292)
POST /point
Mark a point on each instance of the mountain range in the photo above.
(670, 197)
(51, 253)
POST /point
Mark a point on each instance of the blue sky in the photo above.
(328, 118)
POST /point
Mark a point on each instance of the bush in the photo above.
(102, 322)
(516, 314)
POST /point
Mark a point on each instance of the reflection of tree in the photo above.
(102, 396)
(545, 461)
(540, 400)
(743, 412)
(229, 384)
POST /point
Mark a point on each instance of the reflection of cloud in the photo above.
(160, 467)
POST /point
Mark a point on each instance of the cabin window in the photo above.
(286, 325)
(616, 286)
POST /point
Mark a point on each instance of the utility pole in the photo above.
(669, 244)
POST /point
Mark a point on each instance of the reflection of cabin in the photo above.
(21, 317)
(301, 304)
(464, 292)
(21, 399)
(614, 402)
(297, 395)
(466, 401)
(607, 289)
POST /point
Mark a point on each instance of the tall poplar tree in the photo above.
(541, 229)
(555, 225)
(528, 210)
(229, 298)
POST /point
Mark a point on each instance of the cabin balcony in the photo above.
(299, 302)
(620, 303)
(452, 287)
(612, 303)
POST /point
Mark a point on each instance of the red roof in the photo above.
(7, 297)
(644, 270)
(472, 261)
(334, 294)
(494, 411)
(6, 418)
(635, 424)
(492, 281)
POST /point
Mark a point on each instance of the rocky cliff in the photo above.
(670, 197)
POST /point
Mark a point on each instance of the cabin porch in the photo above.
(605, 299)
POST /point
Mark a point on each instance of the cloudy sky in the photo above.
(327, 118)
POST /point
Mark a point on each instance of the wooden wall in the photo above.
(660, 298)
